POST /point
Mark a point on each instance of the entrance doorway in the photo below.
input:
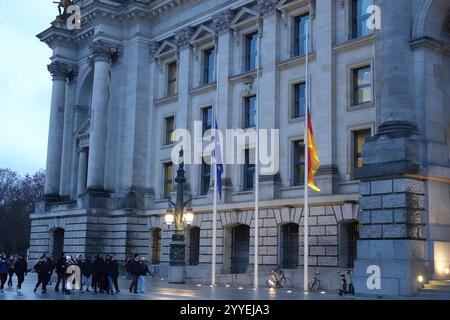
(240, 249)
(57, 243)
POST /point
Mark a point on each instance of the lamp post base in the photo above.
(177, 267)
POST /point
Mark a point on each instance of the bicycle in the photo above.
(347, 286)
(314, 284)
(278, 280)
(155, 271)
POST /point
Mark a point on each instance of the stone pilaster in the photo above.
(82, 171)
(392, 204)
(60, 72)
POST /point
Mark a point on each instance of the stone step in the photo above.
(439, 282)
(434, 291)
(440, 286)
(432, 295)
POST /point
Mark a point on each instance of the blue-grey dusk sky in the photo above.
(25, 84)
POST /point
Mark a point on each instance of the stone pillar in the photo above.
(59, 72)
(392, 202)
(68, 141)
(82, 171)
(102, 53)
(269, 115)
(221, 23)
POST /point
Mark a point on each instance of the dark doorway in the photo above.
(352, 239)
(156, 246)
(240, 249)
(194, 246)
(290, 245)
(58, 243)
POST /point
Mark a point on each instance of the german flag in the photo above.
(313, 157)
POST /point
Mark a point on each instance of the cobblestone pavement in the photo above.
(159, 289)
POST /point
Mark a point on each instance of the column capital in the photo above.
(62, 71)
(105, 51)
(183, 36)
(222, 21)
(267, 7)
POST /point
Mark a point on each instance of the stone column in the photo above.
(82, 171)
(392, 202)
(68, 141)
(102, 53)
(59, 72)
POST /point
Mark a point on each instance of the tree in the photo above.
(18, 197)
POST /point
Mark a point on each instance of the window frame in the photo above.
(298, 180)
(248, 112)
(298, 52)
(248, 38)
(205, 178)
(356, 19)
(356, 155)
(166, 180)
(208, 70)
(297, 99)
(168, 133)
(172, 80)
(248, 169)
(205, 126)
(356, 87)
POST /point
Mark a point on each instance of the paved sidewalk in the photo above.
(159, 289)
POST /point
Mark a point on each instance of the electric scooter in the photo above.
(347, 287)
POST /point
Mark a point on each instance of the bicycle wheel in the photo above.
(286, 283)
(312, 285)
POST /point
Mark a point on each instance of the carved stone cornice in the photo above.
(153, 49)
(62, 71)
(105, 51)
(183, 37)
(222, 21)
(267, 7)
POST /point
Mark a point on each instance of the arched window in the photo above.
(194, 246)
(156, 246)
(289, 245)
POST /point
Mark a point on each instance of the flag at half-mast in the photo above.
(313, 157)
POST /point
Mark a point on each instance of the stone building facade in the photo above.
(137, 70)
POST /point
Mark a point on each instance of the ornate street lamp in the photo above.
(180, 217)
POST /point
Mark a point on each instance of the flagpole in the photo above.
(306, 205)
(214, 224)
(256, 262)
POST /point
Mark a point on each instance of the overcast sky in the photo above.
(25, 84)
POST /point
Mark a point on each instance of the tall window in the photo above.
(207, 119)
(299, 100)
(249, 170)
(206, 178)
(251, 51)
(172, 78)
(169, 129)
(194, 246)
(359, 139)
(156, 246)
(362, 85)
(361, 18)
(299, 163)
(208, 65)
(168, 179)
(300, 26)
(290, 243)
(250, 112)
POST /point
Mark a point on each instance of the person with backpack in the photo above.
(99, 275)
(42, 268)
(60, 270)
(20, 269)
(12, 260)
(4, 267)
(134, 269)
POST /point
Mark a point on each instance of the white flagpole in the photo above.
(306, 205)
(214, 224)
(258, 64)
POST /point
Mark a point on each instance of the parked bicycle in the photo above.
(278, 280)
(314, 283)
(347, 287)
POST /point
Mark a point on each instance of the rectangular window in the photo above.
(300, 36)
(206, 119)
(362, 85)
(172, 78)
(250, 112)
(206, 178)
(169, 129)
(359, 139)
(299, 163)
(208, 65)
(168, 179)
(299, 100)
(360, 17)
(251, 51)
(249, 170)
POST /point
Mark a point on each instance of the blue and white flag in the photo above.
(218, 159)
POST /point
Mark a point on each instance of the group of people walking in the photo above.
(100, 274)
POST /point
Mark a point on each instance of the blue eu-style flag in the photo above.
(218, 159)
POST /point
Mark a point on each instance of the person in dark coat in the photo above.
(42, 268)
(113, 274)
(99, 274)
(4, 267)
(87, 268)
(60, 270)
(20, 269)
(134, 269)
(12, 260)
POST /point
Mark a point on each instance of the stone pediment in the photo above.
(203, 33)
(167, 47)
(244, 17)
